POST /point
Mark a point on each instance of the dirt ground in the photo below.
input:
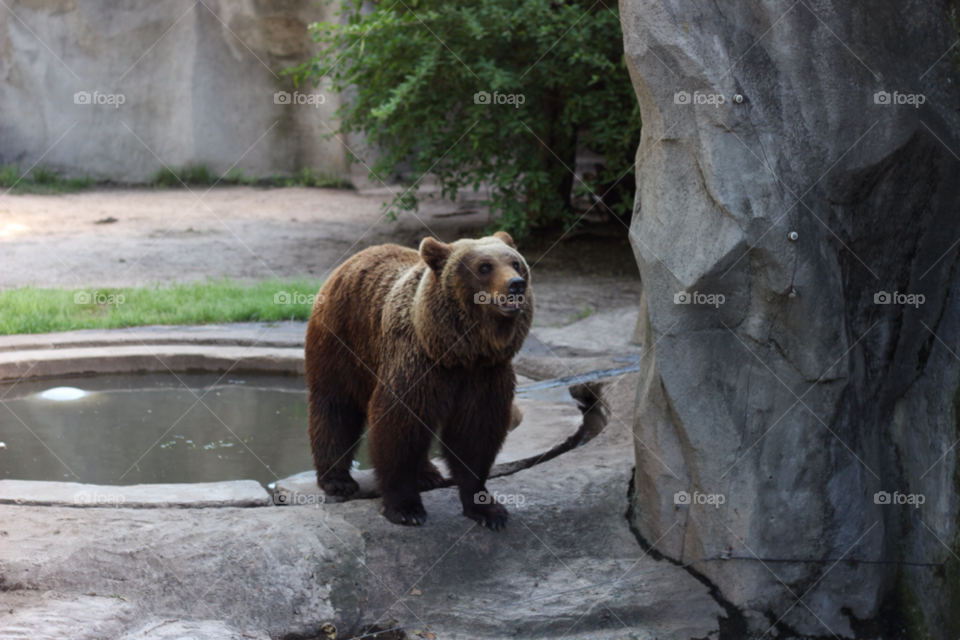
(251, 233)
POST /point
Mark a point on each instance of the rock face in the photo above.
(262, 568)
(802, 393)
(197, 83)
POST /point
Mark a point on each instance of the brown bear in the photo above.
(419, 345)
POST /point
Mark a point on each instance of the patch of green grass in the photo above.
(236, 176)
(310, 177)
(42, 180)
(585, 313)
(200, 174)
(39, 180)
(38, 310)
(191, 174)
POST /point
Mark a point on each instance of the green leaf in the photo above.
(414, 70)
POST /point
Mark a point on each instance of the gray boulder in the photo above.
(803, 392)
(278, 571)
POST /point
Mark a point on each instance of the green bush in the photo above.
(191, 174)
(310, 177)
(9, 175)
(415, 69)
(237, 176)
(201, 175)
(39, 180)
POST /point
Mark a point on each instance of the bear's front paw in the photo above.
(408, 514)
(339, 485)
(492, 516)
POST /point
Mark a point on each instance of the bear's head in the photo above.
(482, 298)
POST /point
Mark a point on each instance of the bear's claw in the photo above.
(491, 516)
(412, 516)
(339, 486)
(430, 478)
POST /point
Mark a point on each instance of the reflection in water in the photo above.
(140, 429)
(63, 394)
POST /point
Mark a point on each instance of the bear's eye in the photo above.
(486, 268)
(516, 267)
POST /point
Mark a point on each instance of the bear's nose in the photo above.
(516, 286)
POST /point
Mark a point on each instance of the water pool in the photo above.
(155, 428)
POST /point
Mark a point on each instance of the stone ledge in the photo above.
(286, 335)
(15, 365)
(201, 495)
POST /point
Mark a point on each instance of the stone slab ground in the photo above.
(285, 572)
(276, 571)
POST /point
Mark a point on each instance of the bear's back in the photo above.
(355, 295)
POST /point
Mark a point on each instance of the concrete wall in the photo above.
(197, 78)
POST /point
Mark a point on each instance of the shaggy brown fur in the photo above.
(401, 341)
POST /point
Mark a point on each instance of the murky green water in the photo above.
(150, 428)
(161, 428)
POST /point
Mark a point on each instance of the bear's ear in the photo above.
(504, 237)
(434, 253)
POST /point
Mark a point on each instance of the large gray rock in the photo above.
(279, 571)
(197, 80)
(799, 398)
(48, 615)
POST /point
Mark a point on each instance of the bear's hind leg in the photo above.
(399, 445)
(336, 426)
